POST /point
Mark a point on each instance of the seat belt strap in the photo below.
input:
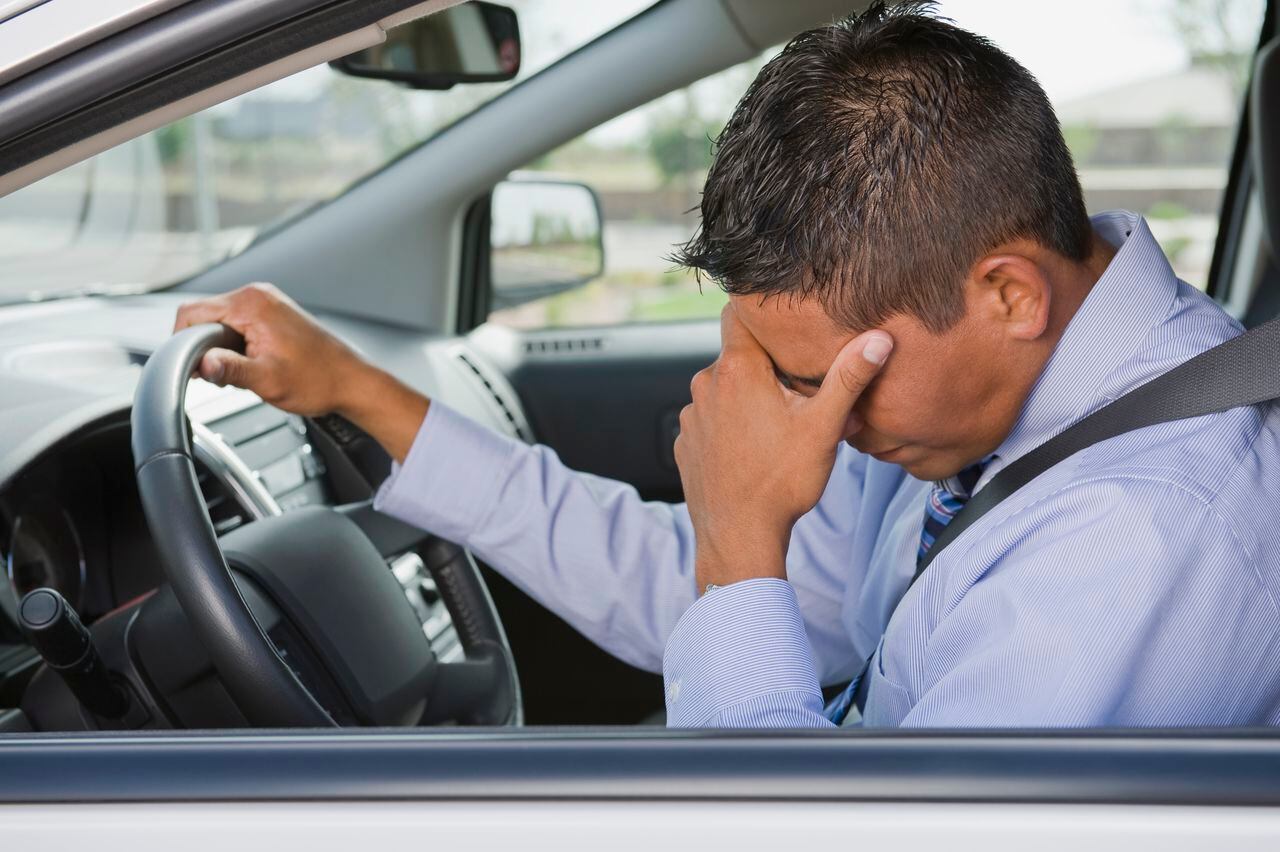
(1242, 371)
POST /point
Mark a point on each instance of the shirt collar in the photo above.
(1134, 294)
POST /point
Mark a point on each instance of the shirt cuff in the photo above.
(447, 482)
(738, 647)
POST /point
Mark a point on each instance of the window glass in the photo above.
(1149, 108)
(168, 204)
(647, 167)
(1149, 94)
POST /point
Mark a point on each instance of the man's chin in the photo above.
(903, 455)
(918, 462)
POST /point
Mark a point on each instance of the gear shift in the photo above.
(67, 647)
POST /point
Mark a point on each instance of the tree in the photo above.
(1219, 34)
(172, 140)
(681, 148)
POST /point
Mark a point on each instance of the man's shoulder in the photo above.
(1228, 462)
(1211, 457)
(1196, 495)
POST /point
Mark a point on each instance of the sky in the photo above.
(1083, 46)
(1074, 48)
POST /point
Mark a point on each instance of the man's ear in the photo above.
(1013, 290)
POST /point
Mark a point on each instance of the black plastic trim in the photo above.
(474, 283)
(1162, 768)
(442, 81)
(1235, 195)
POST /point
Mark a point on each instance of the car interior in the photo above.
(221, 560)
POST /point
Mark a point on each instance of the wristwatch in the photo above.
(711, 587)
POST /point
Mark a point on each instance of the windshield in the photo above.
(171, 203)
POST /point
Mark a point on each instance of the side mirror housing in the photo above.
(545, 236)
(474, 42)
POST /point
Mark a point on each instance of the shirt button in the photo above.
(673, 692)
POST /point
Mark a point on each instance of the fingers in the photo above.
(858, 363)
(236, 309)
(735, 338)
(205, 310)
(224, 367)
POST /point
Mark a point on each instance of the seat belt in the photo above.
(1242, 371)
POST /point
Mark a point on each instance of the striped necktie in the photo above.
(946, 499)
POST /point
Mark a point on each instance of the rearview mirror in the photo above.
(471, 43)
(545, 236)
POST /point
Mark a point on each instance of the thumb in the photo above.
(224, 367)
(854, 368)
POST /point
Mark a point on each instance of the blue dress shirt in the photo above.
(1134, 584)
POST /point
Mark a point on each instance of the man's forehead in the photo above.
(798, 336)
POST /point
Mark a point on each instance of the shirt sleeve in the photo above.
(740, 658)
(617, 568)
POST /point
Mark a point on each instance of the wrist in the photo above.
(359, 384)
(743, 559)
(386, 408)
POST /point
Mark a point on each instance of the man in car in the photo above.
(917, 299)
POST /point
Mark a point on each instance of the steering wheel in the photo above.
(308, 626)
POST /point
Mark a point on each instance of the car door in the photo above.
(643, 790)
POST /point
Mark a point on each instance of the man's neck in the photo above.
(1073, 285)
(1071, 281)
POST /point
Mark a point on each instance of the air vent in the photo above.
(503, 405)
(550, 345)
(225, 512)
(276, 449)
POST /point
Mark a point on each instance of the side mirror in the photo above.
(474, 42)
(545, 236)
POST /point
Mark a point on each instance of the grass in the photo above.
(682, 305)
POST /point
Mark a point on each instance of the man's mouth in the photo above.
(885, 454)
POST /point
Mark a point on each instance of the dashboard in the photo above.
(70, 516)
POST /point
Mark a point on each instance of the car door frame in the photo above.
(1216, 767)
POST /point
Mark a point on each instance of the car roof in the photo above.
(36, 32)
(79, 76)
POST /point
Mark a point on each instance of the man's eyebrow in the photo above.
(809, 381)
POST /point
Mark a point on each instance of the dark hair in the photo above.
(873, 161)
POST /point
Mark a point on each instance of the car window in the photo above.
(1150, 114)
(175, 201)
(647, 168)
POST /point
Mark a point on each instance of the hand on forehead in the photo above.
(736, 338)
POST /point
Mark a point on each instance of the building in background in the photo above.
(1161, 146)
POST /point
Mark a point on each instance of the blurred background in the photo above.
(1149, 94)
